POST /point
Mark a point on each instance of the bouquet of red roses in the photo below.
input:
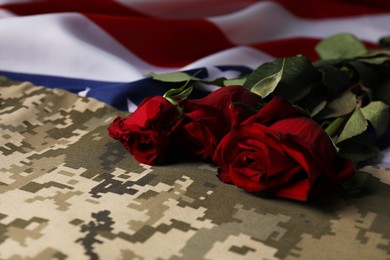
(292, 128)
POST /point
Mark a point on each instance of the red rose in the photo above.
(282, 152)
(147, 132)
(207, 120)
(235, 102)
(201, 129)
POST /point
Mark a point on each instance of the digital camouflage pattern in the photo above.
(68, 191)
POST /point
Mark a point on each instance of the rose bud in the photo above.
(235, 102)
(147, 132)
(201, 129)
(207, 120)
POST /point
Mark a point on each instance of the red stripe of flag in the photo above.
(165, 42)
(320, 9)
(107, 7)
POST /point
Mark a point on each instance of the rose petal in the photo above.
(275, 110)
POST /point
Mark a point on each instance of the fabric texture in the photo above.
(68, 191)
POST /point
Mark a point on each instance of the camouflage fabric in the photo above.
(68, 191)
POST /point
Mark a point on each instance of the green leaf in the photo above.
(356, 185)
(298, 80)
(267, 78)
(175, 91)
(385, 42)
(315, 100)
(362, 71)
(376, 61)
(178, 93)
(183, 94)
(376, 57)
(340, 46)
(340, 106)
(176, 77)
(172, 77)
(334, 127)
(235, 82)
(358, 149)
(297, 77)
(336, 80)
(318, 108)
(377, 113)
(355, 125)
(223, 82)
(217, 82)
(382, 91)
